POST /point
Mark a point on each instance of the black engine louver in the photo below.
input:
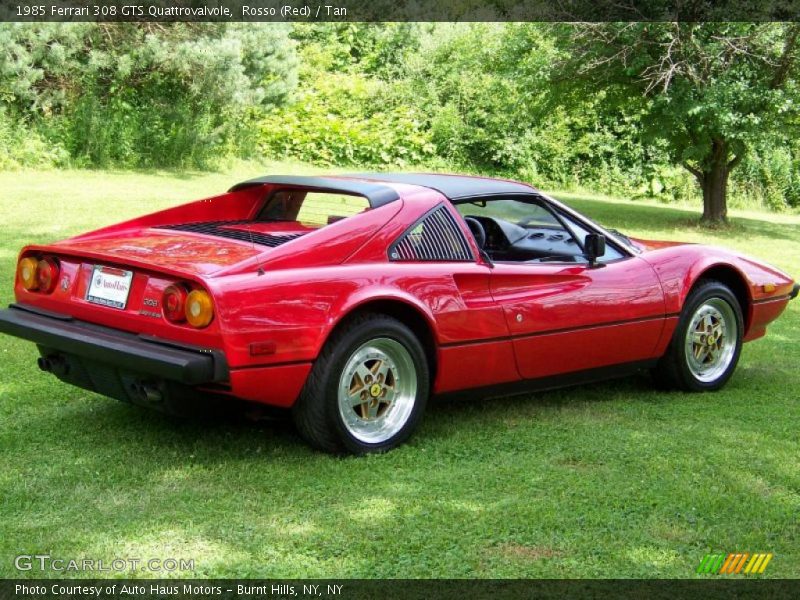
(217, 228)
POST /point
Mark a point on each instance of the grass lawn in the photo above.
(607, 480)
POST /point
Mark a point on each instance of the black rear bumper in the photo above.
(795, 291)
(163, 359)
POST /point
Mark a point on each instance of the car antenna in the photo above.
(260, 271)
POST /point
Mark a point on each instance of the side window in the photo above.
(581, 232)
(519, 230)
(435, 238)
(527, 230)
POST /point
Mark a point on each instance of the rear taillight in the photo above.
(181, 304)
(27, 273)
(47, 275)
(38, 275)
(199, 309)
(174, 303)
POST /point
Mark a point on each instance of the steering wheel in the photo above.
(477, 229)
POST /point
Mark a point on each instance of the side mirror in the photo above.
(594, 246)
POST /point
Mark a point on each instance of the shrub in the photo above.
(20, 146)
(769, 176)
(345, 120)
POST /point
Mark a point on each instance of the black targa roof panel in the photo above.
(455, 187)
(375, 193)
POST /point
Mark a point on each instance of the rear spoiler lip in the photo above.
(113, 261)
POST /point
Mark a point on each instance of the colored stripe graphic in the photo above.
(710, 563)
(764, 564)
(726, 566)
(734, 562)
(753, 564)
(740, 564)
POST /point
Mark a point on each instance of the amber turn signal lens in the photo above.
(174, 303)
(199, 310)
(47, 275)
(27, 273)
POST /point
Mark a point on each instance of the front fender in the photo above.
(756, 283)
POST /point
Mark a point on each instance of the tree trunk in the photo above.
(715, 193)
(713, 180)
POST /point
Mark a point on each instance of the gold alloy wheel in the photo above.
(377, 390)
(711, 340)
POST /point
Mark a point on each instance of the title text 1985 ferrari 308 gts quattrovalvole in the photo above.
(352, 299)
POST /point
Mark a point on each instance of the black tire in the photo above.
(673, 370)
(316, 413)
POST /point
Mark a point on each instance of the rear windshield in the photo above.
(312, 209)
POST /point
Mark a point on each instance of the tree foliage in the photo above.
(345, 111)
(628, 109)
(143, 94)
(711, 91)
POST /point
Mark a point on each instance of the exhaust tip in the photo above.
(147, 393)
(54, 363)
(152, 393)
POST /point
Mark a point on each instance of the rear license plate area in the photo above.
(109, 287)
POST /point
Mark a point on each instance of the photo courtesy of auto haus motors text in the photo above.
(163, 590)
(359, 299)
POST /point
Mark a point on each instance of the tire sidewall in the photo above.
(693, 302)
(346, 346)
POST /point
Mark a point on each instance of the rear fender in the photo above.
(363, 298)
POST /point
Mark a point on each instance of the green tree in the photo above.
(136, 94)
(709, 91)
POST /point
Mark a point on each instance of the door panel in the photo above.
(565, 318)
(483, 364)
(474, 349)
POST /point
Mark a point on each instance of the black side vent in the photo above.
(435, 237)
(217, 228)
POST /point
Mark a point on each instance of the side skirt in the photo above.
(527, 386)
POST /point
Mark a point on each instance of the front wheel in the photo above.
(707, 342)
(367, 390)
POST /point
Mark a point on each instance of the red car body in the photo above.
(483, 323)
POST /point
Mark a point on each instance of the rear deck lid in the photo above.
(200, 248)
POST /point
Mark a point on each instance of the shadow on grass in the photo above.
(265, 426)
(560, 397)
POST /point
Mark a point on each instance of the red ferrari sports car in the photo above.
(352, 299)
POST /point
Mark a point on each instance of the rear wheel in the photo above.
(707, 342)
(367, 390)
